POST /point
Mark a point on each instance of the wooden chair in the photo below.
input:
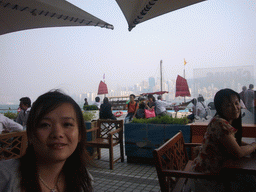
(13, 145)
(109, 134)
(173, 165)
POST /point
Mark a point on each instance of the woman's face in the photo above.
(231, 109)
(57, 134)
(150, 99)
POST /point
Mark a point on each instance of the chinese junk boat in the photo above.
(182, 90)
(103, 89)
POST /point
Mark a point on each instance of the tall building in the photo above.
(152, 83)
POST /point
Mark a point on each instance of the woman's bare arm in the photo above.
(232, 146)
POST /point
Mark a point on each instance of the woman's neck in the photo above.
(50, 173)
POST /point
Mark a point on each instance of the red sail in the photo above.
(182, 87)
(103, 89)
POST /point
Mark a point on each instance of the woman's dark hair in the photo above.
(26, 101)
(76, 175)
(151, 96)
(219, 98)
(105, 100)
(97, 99)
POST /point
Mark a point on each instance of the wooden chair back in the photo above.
(107, 126)
(170, 156)
(13, 145)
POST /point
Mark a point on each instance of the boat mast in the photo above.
(184, 78)
(161, 80)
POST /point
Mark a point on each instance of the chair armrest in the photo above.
(116, 131)
(190, 174)
(192, 144)
(90, 130)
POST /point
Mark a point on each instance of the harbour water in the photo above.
(11, 108)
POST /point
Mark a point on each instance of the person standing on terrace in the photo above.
(85, 102)
(242, 94)
(132, 107)
(25, 105)
(222, 141)
(201, 110)
(249, 98)
(97, 102)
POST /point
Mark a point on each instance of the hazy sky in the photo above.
(213, 33)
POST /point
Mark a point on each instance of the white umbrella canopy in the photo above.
(138, 11)
(16, 15)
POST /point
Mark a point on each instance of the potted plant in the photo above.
(11, 115)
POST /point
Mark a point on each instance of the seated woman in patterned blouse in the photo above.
(222, 141)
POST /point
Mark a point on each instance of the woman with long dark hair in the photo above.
(151, 102)
(222, 141)
(56, 159)
(106, 110)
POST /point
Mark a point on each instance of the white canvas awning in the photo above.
(138, 11)
(16, 15)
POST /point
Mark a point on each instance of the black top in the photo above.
(105, 111)
(151, 104)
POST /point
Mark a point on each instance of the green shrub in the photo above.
(162, 120)
(90, 107)
(88, 115)
(11, 115)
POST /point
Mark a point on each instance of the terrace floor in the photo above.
(124, 177)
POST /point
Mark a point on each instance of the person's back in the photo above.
(8, 125)
(242, 94)
(85, 103)
(97, 102)
(106, 111)
(201, 109)
(160, 106)
(141, 111)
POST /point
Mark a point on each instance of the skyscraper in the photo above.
(152, 83)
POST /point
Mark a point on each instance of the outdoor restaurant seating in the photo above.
(13, 145)
(109, 133)
(173, 165)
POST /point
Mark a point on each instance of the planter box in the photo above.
(91, 135)
(142, 139)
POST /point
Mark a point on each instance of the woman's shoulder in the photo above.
(9, 169)
(221, 125)
(9, 166)
(9, 175)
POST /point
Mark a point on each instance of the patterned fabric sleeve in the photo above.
(224, 127)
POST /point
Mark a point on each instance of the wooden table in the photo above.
(246, 165)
